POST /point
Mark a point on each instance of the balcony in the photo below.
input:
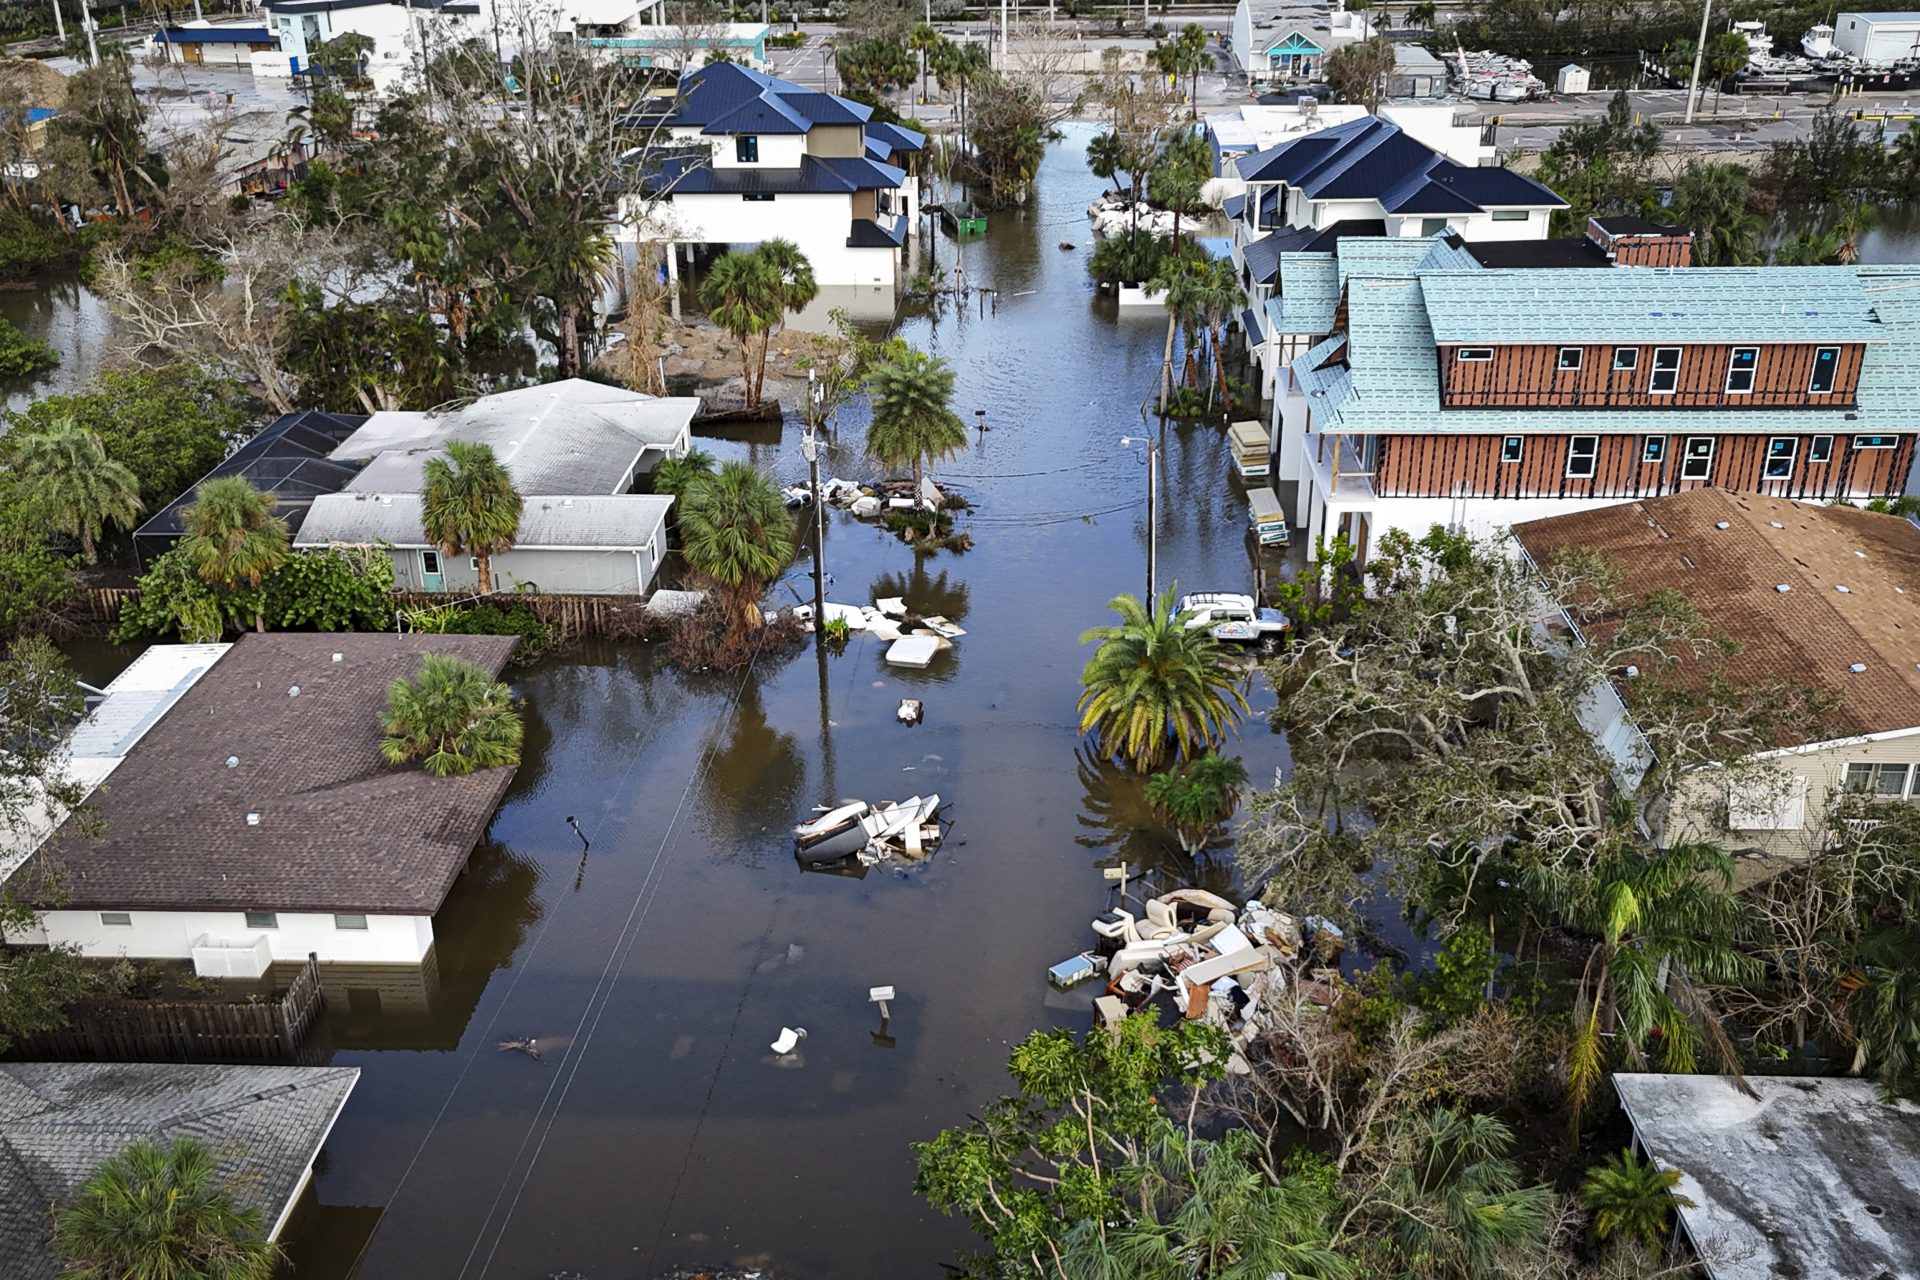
(1337, 468)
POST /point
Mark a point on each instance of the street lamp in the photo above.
(1153, 501)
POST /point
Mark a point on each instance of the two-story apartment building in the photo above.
(1288, 41)
(1476, 397)
(762, 158)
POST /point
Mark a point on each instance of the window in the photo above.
(1510, 448)
(1873, 442)
(746, 149)
(1826, 363)
(1740, 370)
(1581, 451)
(1887, 781)
(1432, 226)
(430, 562)
(1781, 451)
(1626, 357)
(1470, 355)
(262, 920)
(1768, 802)
(117, 919)
(355, 922)
(756, 197)
(1666, 371)
(1512, 215)
(1570, 357)
(1653, 449)
(1697, 462)
(1820, 449)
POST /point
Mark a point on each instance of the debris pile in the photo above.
(869, 501)
(910, 829)
(1212, 960)
(889, 620)
(1112, 215)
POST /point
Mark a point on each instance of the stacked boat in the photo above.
(1492, 77)
(909, 829)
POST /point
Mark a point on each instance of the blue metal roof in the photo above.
(213, 35)
(868, 234)
(724, 97)
(1374, 159)
(816, 175)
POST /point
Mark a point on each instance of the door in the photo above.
(431, 578)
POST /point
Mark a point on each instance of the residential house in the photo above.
(575, 450)
(288, 461)
(1289, 41)
(1824, 598)
(397, 28)
(1784, 1175)
(213, 44)
(762, 158)
(1261, 126)
(247, 817)
(1478, 397)
(59, 1121)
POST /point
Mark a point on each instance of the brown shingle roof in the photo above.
(339, 830)
(1808, 635)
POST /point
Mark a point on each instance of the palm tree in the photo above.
(794, 287)
(1631, 1198)
(1455, 1208)
(911, 418)
(1422, 15)
(1106, 156)
(673, 475)
(1660, 920)
(232, 536)
(469, 506)
(955, 62)
(66, 474)
(1853, 223)
(923, 39)
(1216, 295)
(453, 717)
(1727, 54)
(1155, 688)
(735, 531)
(1197, 797)
(1180, 290)
(153, 1213)
(742, 296)
(1883, 1009)
(1712, 200)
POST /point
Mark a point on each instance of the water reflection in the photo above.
(1115, 817)
(929, 595)
(753, 786)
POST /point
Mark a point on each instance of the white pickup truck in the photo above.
(1236, 619)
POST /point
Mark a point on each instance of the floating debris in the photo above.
(909, 829)
(528, 1046)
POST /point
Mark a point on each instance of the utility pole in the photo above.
(59, 25)
(1699, 51)
(810, 445)
(1153, 516)
(86, 20)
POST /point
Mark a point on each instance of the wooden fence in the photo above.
(120, 1030)
(102, 605)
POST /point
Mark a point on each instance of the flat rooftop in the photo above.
(1813, 1177)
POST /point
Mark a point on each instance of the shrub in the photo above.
(21, 356)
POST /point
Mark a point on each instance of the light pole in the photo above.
(1153, 503)
(810, 445)
(1699, 51)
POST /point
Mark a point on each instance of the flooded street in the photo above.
(656, 968)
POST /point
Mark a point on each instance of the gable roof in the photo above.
(1809, 634)
(1373, 158)
(567, 437)
(1798, 1176)
(724, 97)
(338, 829)
(1263, 255)
(59, 1121)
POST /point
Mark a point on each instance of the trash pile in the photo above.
(1212, 960)
(868, 501)
(914, 640)
(1111, 215)
(909, 829)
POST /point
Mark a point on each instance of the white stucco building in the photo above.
(245, 815)
(399, 29)
(762, 158)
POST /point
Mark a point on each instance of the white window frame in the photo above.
(439, 564)
(1688, 457)
(1814, 373)
(1673, 374)
(1820, 449)
(1631, 360)
(1790, 458)
(1653, 449)
(1579, 355)
(1472, 355)
(1591, 457)
(117, 919)
(1511, 215)
(271, 917)
(1516, 446)
(1863, 778)
(1734, 370)
(1875, 442)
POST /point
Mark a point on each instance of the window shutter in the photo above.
(1767, 803)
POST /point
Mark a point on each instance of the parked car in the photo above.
(1236, 619)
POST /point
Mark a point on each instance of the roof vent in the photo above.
(1861, 554)
(1776, 524)
(293, 691)
(253, 819)
(1858, 668)
(566, 502)
(1722, 524)
(337, 656)
(1843, 588)
(233, 762)
(1782, 587)
(1688, 561)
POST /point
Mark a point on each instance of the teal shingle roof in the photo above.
(1649, 304)
(1309, 294)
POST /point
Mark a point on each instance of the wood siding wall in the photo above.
(1440, 466)
(1530, 375)
(1651, 251)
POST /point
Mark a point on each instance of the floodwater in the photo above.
(656, 966)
